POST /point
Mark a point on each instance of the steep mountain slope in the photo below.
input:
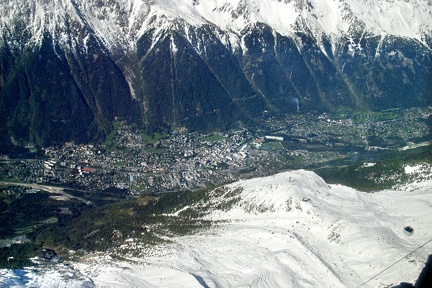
(202, 64)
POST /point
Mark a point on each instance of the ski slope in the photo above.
(288, 230)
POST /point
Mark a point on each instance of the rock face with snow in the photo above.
(69, 67)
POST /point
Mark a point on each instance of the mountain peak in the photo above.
(123, 22)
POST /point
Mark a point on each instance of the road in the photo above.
(47, 188)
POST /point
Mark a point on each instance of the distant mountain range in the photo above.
(69, 68)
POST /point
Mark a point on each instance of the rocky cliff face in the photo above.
(68, 68)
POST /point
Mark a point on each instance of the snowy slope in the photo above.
(287, 230)
(120, 23)
(58, 276)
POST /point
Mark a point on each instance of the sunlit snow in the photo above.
(120, 23)
(287, 230)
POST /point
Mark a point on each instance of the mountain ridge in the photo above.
(123, 22)
(196, 64)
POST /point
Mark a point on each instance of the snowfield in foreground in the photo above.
(287, 230)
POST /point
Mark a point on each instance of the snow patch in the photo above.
(412, 169)
(173, 46)
(366, 165)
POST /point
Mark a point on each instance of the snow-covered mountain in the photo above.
(287, 230)
(198, 63)
(121, 23)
